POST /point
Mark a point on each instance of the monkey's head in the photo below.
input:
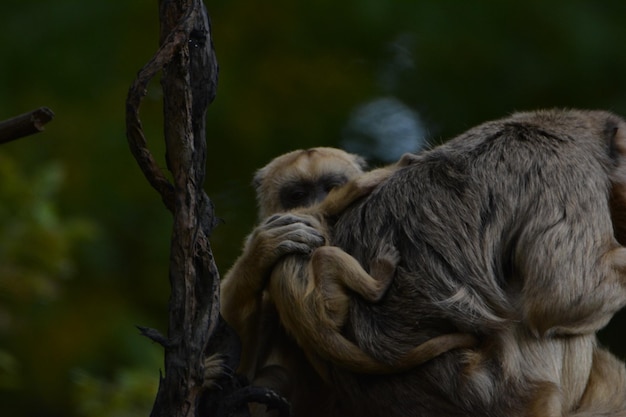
(302, 178)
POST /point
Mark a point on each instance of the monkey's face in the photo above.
(304, 192)
(302, 178)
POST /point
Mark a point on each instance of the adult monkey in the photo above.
(299, 178)
(505, 231)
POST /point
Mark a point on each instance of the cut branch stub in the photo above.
(25, 124)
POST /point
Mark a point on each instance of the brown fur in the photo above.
(245, 304)
(269, 356)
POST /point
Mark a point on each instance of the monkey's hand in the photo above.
(407, 159)
(283, 234)
(383, 267)
(277, 236)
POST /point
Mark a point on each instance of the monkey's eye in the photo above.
(295, 196)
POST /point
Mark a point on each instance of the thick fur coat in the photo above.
(504, 232)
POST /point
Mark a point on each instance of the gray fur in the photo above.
(506, 232)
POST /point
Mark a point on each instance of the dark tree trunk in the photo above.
(196, 329)
(189, 68)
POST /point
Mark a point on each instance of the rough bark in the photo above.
(187, 61)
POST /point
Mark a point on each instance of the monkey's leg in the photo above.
(596, 309)
(332, 266)
(581, 295)
(331, 272)
(617, 258)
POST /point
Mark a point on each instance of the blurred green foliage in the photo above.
(83, 238)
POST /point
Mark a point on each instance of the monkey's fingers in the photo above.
(408, 159)
(289, 227)
(299, 240)
(387, 253)
(284, 219)
(297, 232)
(270, 242)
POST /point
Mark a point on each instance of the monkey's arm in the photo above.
(242, 287)
(340, 198)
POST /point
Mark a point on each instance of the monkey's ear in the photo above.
(615, 136)
(258, 178)
(610, 132)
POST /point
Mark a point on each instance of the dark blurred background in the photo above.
(84, 239)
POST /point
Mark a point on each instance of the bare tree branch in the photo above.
(25, 124)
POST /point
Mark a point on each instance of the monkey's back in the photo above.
(501, 231)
